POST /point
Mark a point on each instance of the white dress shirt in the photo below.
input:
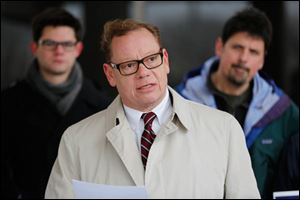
(163, 113)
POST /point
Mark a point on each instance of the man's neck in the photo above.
(55, 79)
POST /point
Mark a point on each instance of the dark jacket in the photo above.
(31, 132)
(287, 177)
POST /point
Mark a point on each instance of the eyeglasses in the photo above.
(131, 67)
(52, 45)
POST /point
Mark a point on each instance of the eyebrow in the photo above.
(70, 40)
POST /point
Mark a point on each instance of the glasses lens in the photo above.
(153, 60)
(128, 67)
(48, 44)
(68, 46)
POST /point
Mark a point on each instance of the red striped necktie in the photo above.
(148, 136)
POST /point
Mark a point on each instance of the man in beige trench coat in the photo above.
(194, 151)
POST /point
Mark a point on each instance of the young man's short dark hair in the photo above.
(55, 17)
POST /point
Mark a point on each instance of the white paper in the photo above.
(85, 190)
(294, 194)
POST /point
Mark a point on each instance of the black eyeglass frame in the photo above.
(117, 66)
(67, 45)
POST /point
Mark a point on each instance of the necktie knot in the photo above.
(148, 118)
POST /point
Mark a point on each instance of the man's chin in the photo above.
(57, 72)
(238, 82)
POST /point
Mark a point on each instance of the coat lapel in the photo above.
(122, 138)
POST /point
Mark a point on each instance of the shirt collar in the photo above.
(161, 109)
(134, 116)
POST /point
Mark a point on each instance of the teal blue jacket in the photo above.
(270, 120)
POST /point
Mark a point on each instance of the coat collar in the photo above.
(180, 109)
(116, 115)
(125, 144)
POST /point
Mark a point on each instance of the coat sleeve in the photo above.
(63, 171)
(240, 180)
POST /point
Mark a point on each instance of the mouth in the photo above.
(240, 70)
(58, 61)
(240, 67)
(146, 86)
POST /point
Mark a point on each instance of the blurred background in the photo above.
(188, 31)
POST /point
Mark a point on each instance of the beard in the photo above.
(238, 75)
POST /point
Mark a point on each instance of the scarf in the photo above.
(62, 95)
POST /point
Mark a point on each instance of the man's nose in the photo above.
(142, 69)
(59, 48)
(244, 55)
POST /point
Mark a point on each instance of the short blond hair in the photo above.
(120, 27)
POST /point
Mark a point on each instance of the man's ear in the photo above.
(79, 48)
(109, 73)
(166, 60)
(33, 47)
(218, 46)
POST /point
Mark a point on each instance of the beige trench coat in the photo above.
(199, 153)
